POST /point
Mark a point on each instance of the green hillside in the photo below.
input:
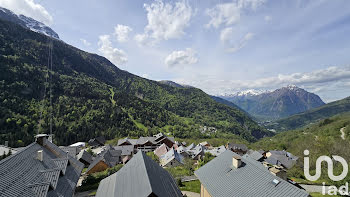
(321, 138)
(92, 97)
(312, 116)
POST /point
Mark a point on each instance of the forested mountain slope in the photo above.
(92, 97)
(312, 116)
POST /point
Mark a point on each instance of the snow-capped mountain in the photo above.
(268, 105)
(27, 22)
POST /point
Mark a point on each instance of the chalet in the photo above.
(107, 159)
(84, 157)
(140, 177)
(147, 144)
(281, 158)
(4, 150)
(183, 151)
(240, 149)
(161, 138)
(40, 169)
(161, 150)
(127, 142)
(197, 152)
(171, 159)
(238, 176)
(99, 141)
(127, 152)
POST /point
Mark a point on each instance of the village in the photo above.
(158, 165)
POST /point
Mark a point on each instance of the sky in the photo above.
(219, 46)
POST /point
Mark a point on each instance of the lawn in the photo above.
(192, 186)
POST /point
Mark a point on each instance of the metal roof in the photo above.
(71, 150)
(110, 156)
(140, 177)
(170, 156)
(255, 155)
(161, 150)
(221, 179)
(217, 151)
(126, 150)
(22, 174)
(84, 155)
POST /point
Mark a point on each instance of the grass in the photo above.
(191, 186)
(319, 195)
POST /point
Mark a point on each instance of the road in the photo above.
(342, 133)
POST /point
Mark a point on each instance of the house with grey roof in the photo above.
(183, 151)
(140, 177)
(281, 158)
(240, 149)
(99, 141)
(161, 150)
(241, 176)
(257, 156)
(127, 152)
(71, 150)
(171, 159)
(107, 159)
(190, 147)
(84, 157)
(197, 152)
(40, 169)
(4, 150)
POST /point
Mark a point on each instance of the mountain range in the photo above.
(272, 105)
(27, 22)
(92, 97)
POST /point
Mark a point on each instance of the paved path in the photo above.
(188, 178)
(190, 194)
(84, 194)
(313, 188)
(342, 133)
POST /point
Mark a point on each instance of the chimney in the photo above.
(40, 155)
(7, 143)
(236, 161)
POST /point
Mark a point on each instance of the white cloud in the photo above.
(166, 21)
(267, 18)
(28, 8)
(181, 57)
(230, 13)
(316, 81)
(85, 42)
(116, 56)
(226, 34)
(242, 43)
(122, 32)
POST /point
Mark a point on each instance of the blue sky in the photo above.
(218, 46)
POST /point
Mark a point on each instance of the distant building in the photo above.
(4, 150)
(79, 144)
(206, 144)
(40, 169)
(84, 157)
(171, 159)
(239, 149)
(281, 158)
(107, 159)
(232, 175)
(99, 141)
(161, 150)
(183, 151)
(217, 151)
(71, 150)
(197, 152)
(140, 177)
(127, 152)
(148, 144)
(257, 156)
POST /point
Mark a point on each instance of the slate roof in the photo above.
(144, 140)
(84, 155)
(221, 179)
(191, 146)
(241, 147)
(99, 141)
(282, 158)
(140, 177)
(126, 150)
(198, 150)
(110, 156)
(71, 150)
(255, 155)
(130, 141)
(170, 156)
(24, 175)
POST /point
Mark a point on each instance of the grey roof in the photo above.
(217, 151)
(170, 156)
(140, 177)
(110, 156)
(191, 146)
(198, 150)
(143, 140)
(126, 150)
(23, 174)
(283, 158)
(84, 155)
(99, 141)
(71, 150)
(241, 147)
(129, 141)
(255, 155)
(221, 179)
